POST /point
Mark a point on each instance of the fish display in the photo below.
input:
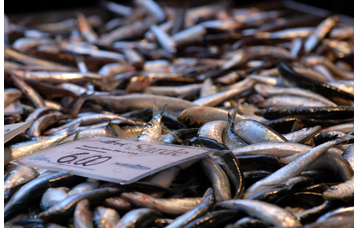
(270, 90)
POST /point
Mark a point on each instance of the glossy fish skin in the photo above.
(231, 140)
(198, 116)
(218, 179)
(291, 78)
(83, 215)
(213, 130)
(170, 206)
(232, 167)
(339, 112)
(152, 130)
(11, 95)
(310, 215)
(292, 169)
(268, 91)
(267, 212)
(215, 219)
(67, 206)
(252, 131)
(349, 156)
(131, 102)
(259, 162)
(138, 218)
(34, 190)
(21, 149)
(18, 176)
(204, 206)
(117, 203)
(344, 191)
(105, 217)
(83, 187)
(205, 142)
(338, 212)
(290, 101)
(248, 222)
(39, 125)
(53, 196)
(303, 135)
(29, 92)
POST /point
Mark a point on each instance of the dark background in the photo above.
(12, 7)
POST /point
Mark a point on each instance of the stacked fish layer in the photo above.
(271, 90)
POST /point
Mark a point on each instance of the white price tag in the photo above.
(11, 130)
(113, 159)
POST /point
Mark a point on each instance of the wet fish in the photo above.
(105, 217)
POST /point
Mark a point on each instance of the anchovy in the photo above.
(293, 168)
(83, 187)
(67, 206)
(17, 176)
(35, 189)
(11, 95)
(138, 218)
(105, 217)
(83, 215)
(213, 130)
(204, 206)
(53, 196)
(170, 206)
(29, 92)
(270, 213)
(343, 191)
(22, 149)
(39, 125)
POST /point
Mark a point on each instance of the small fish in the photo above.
(83, 215)
(105, 217)
(53, 196)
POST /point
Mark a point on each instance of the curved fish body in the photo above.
(22, 149)
(105, 217)
(11, 95)
(118, 203)
(170, 206)
(174, 91)
(131, 102)
(292, 169)
(83, 187)
(29, 92)
(17, 176)
(25, 43)
(53, 196)
(303, 135)
(343, 191)
(320, 32)
(198, 116)
(67, 206)
(164, 178)
(218, 179)
(38, 113)
(213, 130)
(83, 215)
(217, 98)
(268, 91)
(142, 217)
(35, 189)
(56, 76)
(252, 131)
(204, 206)
(349, 156)
(270, 213)
(290, 101)
(39, 125)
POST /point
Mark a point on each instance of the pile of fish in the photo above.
(272, 91)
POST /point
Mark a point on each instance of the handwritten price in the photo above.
(87, 161)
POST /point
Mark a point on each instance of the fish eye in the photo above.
(189, 120)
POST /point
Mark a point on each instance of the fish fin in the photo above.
(161, 111)
(173, 135)
(114, 129)
(154, 109)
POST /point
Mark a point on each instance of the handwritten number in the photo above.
(88, 161)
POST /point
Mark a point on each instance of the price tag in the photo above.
(113, 159)
(11, 130)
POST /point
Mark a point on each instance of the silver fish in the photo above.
(105, 217)
(83, 215)
(170, 206)
(53, 196)
(270, 213)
